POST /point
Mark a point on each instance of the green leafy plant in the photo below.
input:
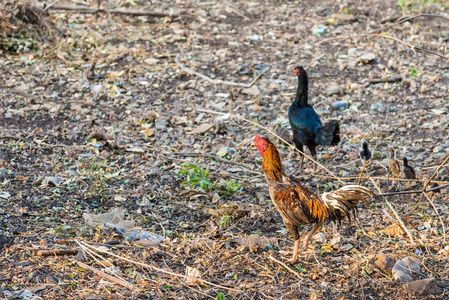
(196, 177)
(413, 72)
(220, 296)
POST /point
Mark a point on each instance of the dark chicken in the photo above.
(306, 124)
(299, 206)
(408, 170)
(365, 154)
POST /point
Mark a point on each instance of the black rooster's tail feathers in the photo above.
(329, 134)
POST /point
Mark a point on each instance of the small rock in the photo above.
(54, 181)
(148, 132)
(339, 104)
(5, 195)
(161, 124)
(404, 268)
(424, 287)
(215, 198)
(437, 149)
(319, 237)
(202, 128)
(366, 58)
(346, 247)
(226, 151)
(385, 263)
(253, 91)
(332, 90)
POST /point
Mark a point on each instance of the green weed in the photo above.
(197, 177)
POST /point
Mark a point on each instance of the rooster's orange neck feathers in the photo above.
(271, 163)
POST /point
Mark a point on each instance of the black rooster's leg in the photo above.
(300, 147)
(311, 233)
(313, 153)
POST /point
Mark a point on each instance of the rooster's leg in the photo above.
(300, 147)
(311, 233)
(295, 252)
(313, 153)
(314, 165)
(301, 165)
(293, 229)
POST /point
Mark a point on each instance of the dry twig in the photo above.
(270, 131)
(287, 143)
(402, 20)
(216, 81)
(109, 277)
(413, 47)
(91, 10)
(437, 188)
(395, 214)
(54, 252)
(287, 267)
(435, 173)
(438, 215)
(158, 269)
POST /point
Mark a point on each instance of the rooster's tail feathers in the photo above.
(341, 202)
(329, 134)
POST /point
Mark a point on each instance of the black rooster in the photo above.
(306, 124)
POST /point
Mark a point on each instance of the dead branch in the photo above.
(413, 47)
(433, 167)
(383, 80)
(402, 20)
(158, 269)
(287, 267)
(293, 147)
(281, 139)
(395, 214)
(216, 81)
(438, 215)
(437, 188)
(53, 252)
(109, 277)
(435, 173)
(384, 178)
(81, 9)
(51, 5)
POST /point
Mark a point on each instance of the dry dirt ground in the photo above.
(136, 131)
